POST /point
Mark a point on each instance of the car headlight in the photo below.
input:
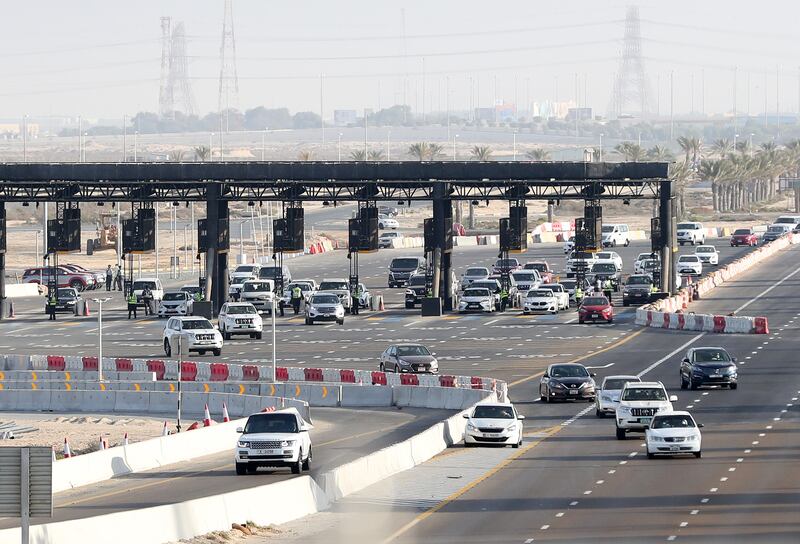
(557, 384)
(403, 362)
(588, 386)
(654, 438)
(605, 398)
(244, 444)
(287, 443)
(512, 427)
(471, 427)
(409, 292)
(691, 438)
(462, 304)
(623, 409)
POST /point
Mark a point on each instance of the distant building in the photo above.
(583, 114)
(342, 118)
(14, 130)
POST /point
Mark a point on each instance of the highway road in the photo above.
(339, 436)
(578, 483)
(509, 346)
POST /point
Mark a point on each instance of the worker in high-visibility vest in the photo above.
(132, 305)
(297, 296)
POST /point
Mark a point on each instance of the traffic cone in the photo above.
(102, 443)
(125, 440)
(86, 308)
(225, 417)
(206, 417)
(165, 431)
(67, 451)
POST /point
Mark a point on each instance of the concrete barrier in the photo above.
(354, 396)
(18, 290)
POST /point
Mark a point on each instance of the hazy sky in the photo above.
(102, 58)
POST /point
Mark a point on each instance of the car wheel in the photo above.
(76, 284)
(684, 384)
(611, 321)
(693, 384)
(627, 243)
(734, 386)
(241, 469)
(297, 466)
(309, 321)
(698, 454)
(651, 455)
(307, 462)
(580, 321)
(409, 306)
(259, 335)
(167, 348)
(469, 444)
(515, 446)
(251, 469)
(226, 335)
(340, 321)
(620, 434)
(381, 368)
(217, 352)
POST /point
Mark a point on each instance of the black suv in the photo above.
(708, 366)
(605, 271)
(637, 289)
(402, 268)
(415, 290)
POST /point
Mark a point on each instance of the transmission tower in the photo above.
(631, 87)
(165, 97)
(228, 78)
(180, 90)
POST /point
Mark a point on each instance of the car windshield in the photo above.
(490, 285)
(506, 262)
(554, 287)
(524, 276)
(64, 293)
(741, 231)
(540, 293)
(786, 220)
(257, 287)
(194, 324)
(493, 412)
(304, 287)
(325, 299)
(406, 351)
(686, 226)
(174, 296)
(605, 256)
(672, 422)
(333, 286)
(269, 272)
(476, 292)
(480, 272)
(604, 267)
(705, 249)
(404, 263)
(245, 268)
(614, 384)
(711, 356)
(651, 264)
(569, 371)
(644, 393)
(271, 423)
(540, 267)
(390, 235)
(608, 229)
(638, 280)
(569, 284)
(416, 281)
(687, 259)
(595, 301)
(775, 229)
(139, 285)
(240, 309)
(581, 255)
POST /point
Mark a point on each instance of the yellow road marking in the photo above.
(68, 386)
(34, 386)
(2, 376)
(271, 390)
(615, 345)
(451, 317)
(241, 389)
(34, 377)
(102, 387)
(67, 376)
(1, 386)
(205, 388)
(324, 391)
(172, 388)
(472, 485)
(374, 318)
(137, 387)
(296, 390)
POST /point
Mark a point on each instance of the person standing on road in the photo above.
(109, 278)
(132, 305)
(607, 290)
(578, 295)
(503, 299)
(51, 307)
(118, 279)
(297, 296)
(147, 299)
(356, 298)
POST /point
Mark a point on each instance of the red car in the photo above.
(66, 278)
(744, 237)
(543, 268)
(595, 308)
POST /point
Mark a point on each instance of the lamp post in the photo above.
(455, 137)
(264, 143)
(136, 146)
(735, 136)
(100, 302)
(750, 144)
(180, 379)
(515, 145)
(388, 145)
(339, 147)
(274, 360)
(601, 146)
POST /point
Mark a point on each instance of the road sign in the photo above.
(26, 484)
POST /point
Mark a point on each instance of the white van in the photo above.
(153, 283)
(791, 220)
(616, 235)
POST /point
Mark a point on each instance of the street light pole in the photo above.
(455, 156)
(180, 379)
(515, 145)
(601, 147)
(25, 138)
(388, 145)
(339, 148)
(274, 361)
(100, 302)
(136, 146)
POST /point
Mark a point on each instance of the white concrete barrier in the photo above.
(17, 290)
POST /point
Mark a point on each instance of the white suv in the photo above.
(274, 439)
(240, 318)
(616, 235)
(192, 334)
(243, 273)
(638, 403)
(692, 233)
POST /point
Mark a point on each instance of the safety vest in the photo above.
(503, 294)
(52, 301)
(653, 289)
(578, 292)
(296, 292)
(198, 297)
(132, 299)
(607, 284)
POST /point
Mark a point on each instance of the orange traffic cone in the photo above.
(86, 308)
(225, 417)
(102, 443)
(67, 451)
(206, 417)
(165, 431)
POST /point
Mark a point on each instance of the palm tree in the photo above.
(305, 155)
(178, 155)
(722, 147)
(375, 155)
(691, 147)
(718, 172)
(435, 151)
(423, 151)
(358, 155)
(202, 152)
(481, 153)
(680, 173)
(660, 153)
(630, 152)
(538, 154)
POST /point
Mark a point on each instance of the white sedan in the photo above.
(476, 299)
(707, 255)
(386, 222)
(607, 398)
(540, 301)
(493, 423)
(690, 264)
(673, 433)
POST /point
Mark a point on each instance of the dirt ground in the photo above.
(82, 431)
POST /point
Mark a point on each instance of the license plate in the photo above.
(573, 392)
(265, 452)
(326, 315)
(674, 448)
(492, 435)
(595, 315)
(645, 420)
